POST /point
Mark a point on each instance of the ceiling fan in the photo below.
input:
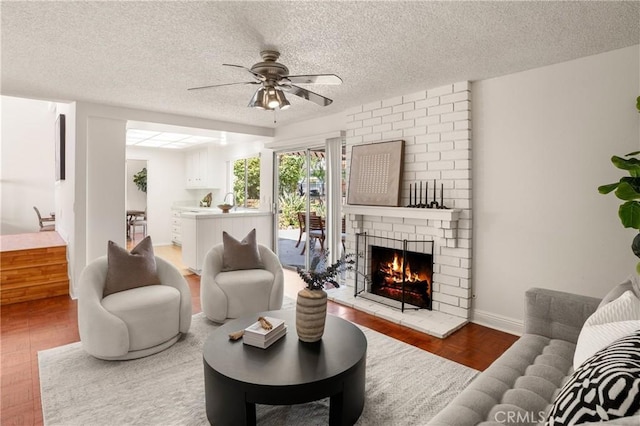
(274, 79)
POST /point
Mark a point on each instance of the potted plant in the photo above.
(140, 179)
(628, 190)
(311, 304)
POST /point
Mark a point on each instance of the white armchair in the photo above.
(233, 294)
(132, 323)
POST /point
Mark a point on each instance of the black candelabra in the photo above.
(415, 201)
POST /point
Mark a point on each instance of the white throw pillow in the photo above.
(607, 324)
(632, 283)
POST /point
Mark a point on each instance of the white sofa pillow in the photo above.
(632, 283)
(607, 324)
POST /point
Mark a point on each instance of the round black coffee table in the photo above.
(239, 376)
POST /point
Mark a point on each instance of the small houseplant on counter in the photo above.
(311, 304)
(628, 190)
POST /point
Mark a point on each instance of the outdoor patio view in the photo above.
(294, 191)
(299, 194)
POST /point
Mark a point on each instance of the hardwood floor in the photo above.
(28, 327)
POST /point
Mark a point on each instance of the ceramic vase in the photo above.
(311, 313)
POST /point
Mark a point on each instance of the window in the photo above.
(246, 182)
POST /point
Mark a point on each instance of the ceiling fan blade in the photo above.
(220, 85)
(255, 74)
(314, 79)
(306, 94)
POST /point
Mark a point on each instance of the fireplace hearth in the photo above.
(398, 272)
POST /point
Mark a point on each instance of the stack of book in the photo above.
(256, 335)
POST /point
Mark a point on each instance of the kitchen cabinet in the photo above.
(203, 170)
(201, 231)
(176, 226)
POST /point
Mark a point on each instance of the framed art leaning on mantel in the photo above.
(375, 173)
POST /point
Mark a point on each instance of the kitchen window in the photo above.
(246, 182)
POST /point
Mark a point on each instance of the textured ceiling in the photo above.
(146, 54)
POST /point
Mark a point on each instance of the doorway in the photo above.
(136, 199)
(301, 208)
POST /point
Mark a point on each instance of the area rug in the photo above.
(404, 386)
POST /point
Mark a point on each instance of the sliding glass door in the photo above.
(309, 193)
(301, 207)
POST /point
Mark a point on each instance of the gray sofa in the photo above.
(519, 387)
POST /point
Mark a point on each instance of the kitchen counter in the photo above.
(196, 208)
(202, 228)
(204, 213)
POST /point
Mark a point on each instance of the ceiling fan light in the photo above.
(282, 100)
(254, 98)
(258, 99)
(272, 98)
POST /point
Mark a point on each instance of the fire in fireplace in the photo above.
(402, 275)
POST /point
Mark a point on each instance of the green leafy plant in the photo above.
(140, 179)
(290, 205)
(319, 207)
(290, 171)
(316, 278)
(246, 182)
(628, 190)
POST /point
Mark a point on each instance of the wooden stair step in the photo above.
(22, 258)
(14, 278)
(32, 266)
(42, 291)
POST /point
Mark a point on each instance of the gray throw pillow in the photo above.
(130, 270)
(238, 255)
(618, 290)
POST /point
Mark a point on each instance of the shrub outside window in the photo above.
(246, 182)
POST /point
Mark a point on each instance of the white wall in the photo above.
(309, 128)
(240, 150)
(542, 141)
(135, 198)
(28, 163)
(165, 185)
(106, 184)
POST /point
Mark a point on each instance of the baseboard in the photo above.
(498, 322)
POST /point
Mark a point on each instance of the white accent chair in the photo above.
(132, 323)
(233, 294)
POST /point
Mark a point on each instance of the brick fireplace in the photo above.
(398, 273)
(436, 127)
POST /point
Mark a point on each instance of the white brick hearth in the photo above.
(436, 127)
(434, 323)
